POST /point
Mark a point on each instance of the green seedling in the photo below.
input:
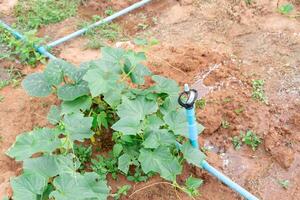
(258, 92)
(142, 26)
(237, 142)
(109, 11)
(251, 139)
(284, 183)
(192, 186)
(200, 103)
(285, 9)
(227, 100)
(83, 154)
(225, 124)
(104, 166)
(238, 111)
(122, 191)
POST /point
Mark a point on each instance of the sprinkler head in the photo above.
(188, 97)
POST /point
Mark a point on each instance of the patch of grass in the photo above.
(249, 138)
(14, 78)
(285, 9)
(258, 92)
(32, 14)
(24, 50)
(122, 191)
(102, 166)
(284, 183)
(99, 36)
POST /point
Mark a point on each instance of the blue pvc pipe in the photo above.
(193, 132)
(101, 22)
(19, 36)
(193, 137)
(227, 181)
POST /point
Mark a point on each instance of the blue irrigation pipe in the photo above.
(16, 34)
(101, 22)
(193, 134)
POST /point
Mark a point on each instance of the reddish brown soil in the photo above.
(218, 47)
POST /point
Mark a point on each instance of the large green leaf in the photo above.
(41, 140)
(82, 103)
(165, 85)
(101, 81)
(78, 127)
(51, 165)
(161, 161)
(112, 58)
(192, 155)
(128, 126)
(80, 187)
(28, 186)
(37, 85)
(137, 108)
(54, 115)
(159, 137)
(70, 92)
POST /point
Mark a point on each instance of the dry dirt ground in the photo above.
(219, 47)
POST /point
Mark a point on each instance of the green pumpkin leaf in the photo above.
(80, 104)
(137, 108)
(176, 121)
(192, 155)
(70, 92)
(193, 183)
(112, 58)
(124, 162)
(80, 187)
(54, 115)
(161, 161)
(53, 72)
(101, 81)
(41, 140)
(51, 165)
(78, 127)
(37, 85)
(165, 85)
(128, 126)
(159, 137)
(28, 186)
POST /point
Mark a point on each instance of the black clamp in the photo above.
(187, 98)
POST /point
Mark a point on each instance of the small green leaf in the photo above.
(124, 162)
(41, 140)
(37, 85)
(80, 104)
(102, 119)
(70, 92)
(54, 115)
(78, 127)
(117, 149)
(192, 155)
(28, 186)
(194, 183)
